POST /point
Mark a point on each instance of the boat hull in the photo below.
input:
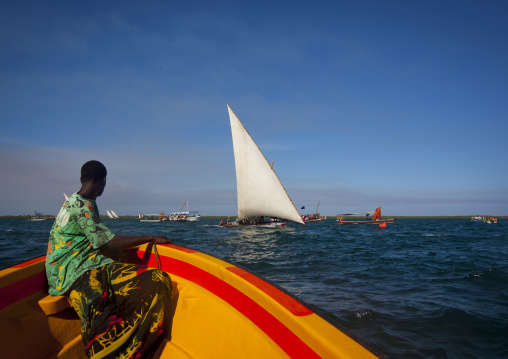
(184, 219)
(219, 310)
(388, 220)
(260, 225)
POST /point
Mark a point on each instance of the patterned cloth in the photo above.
(121, 307)
(73, 243)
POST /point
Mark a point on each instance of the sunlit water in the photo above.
(419, 288)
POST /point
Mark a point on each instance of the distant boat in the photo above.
(185, 216)
(157, 217)
(316, 217)
(37, 217)
(484, 219)
(111, 214)
(262, 199)
(375, 220)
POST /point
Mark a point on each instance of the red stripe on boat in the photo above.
(23, 288)
(182, 249)
(279, 296)
(27, 263)
(286, 339)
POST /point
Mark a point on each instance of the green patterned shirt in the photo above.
(73, 244)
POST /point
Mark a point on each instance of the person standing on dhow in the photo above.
(122, 306)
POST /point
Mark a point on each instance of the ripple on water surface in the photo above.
(419, 288)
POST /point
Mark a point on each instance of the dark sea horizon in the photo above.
(419, 288)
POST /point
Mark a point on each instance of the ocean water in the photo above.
(419, 288)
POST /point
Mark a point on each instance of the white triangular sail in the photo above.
(260, 192)
(109, 214)
(114, 214)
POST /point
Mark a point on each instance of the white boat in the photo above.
(112, 214)
(184, 216)
(260, 193)
(156, 217)
(37, 217)
(193, 216)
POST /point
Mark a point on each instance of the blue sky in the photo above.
(360, 104)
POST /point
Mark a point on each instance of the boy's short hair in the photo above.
(93, 170)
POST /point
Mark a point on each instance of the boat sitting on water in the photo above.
(266, 222)
(184, 216)
(37, 217)
(157, 217)
(218, 310)
(112, 215)
(261, 198)
(484, 219)
(375, 220)
(315, 217)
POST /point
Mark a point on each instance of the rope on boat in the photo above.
(156, 253)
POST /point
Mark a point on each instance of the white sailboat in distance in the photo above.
(260, 192)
